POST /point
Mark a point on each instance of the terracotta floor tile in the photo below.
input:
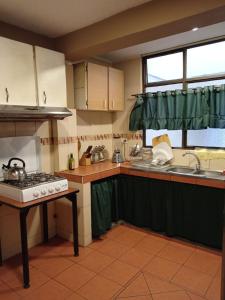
(37, 279)
(52, 290)
(61, 247)
(96, 261)
(97, 244)
(119, 272)
(52, 266)
(213, 293)
(130, 238)
(148, 297)
(136, 257)
(113, 248)
(162, 268)
(99, 288)
(157, 285)
(137, 287)
(193, 280)
(116, 231)
(176, 253)
(75, 296)
(83, 252)
(204, 262)
(151, 244)
(6, 293)
(194, 297)
(171, 296)
(75, 277)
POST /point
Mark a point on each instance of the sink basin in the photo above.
(209, 174)
(181, 170)
(200, 173)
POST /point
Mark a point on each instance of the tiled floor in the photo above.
(127, 264)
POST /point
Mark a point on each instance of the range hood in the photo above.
(27, 113)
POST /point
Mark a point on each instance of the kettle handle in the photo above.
(15, 158)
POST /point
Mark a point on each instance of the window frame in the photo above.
(185, 81)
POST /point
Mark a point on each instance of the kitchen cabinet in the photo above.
(17, 76)
(51, 77)
(182, 210)
(104, 205)
(98, 87)
(116, 89)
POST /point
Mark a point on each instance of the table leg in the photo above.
(73, 199)
(45, 221)
(25, 258)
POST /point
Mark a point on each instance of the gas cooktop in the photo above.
(33, 180)
(35, 185)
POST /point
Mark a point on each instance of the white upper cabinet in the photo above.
(51, 77)
(17, 76)
(116, 89)
(98, 87)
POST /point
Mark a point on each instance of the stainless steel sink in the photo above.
(180, 170)
(209, 174)
(196, 173)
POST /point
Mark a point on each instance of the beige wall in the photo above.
(9, 217)
(96, 129)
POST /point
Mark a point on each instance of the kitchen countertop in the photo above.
(84, 174)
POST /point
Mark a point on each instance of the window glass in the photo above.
(174, 135)
(165, 67)
(164, 88)
(211, 137)
(206, 60)
(206, 83)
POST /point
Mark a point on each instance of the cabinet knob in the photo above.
(7, 95)
(45, 97)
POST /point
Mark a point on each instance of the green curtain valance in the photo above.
(192, 109)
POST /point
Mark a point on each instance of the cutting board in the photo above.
(161, 138)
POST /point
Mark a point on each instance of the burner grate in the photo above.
(33, 180)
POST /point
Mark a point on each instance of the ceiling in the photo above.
(54, 18)
(204, 33)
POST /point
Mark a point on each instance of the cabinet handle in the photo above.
(113, 103)
(105, 104)
(45, 97)
(7, 95)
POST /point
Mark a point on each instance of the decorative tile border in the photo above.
(83, 138)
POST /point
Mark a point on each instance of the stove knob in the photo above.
(50, 190)
(35, 194)
(57, 188)
(43, 192)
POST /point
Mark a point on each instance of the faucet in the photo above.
(198, 165)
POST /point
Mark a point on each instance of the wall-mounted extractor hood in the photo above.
(26, 113)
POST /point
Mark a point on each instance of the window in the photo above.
(174, 135)
(190, 67)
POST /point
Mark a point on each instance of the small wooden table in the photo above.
(24, 207)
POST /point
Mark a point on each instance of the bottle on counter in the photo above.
(71, 162)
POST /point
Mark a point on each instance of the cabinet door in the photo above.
(51, 77)
(17, 77)
(116, 89)
(97, 87)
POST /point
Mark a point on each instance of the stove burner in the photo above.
(33, 180)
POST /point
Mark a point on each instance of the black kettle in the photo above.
(14, 172)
